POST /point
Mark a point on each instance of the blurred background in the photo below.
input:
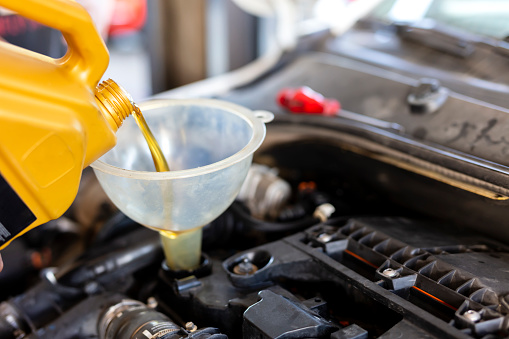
(158, 45)
(155, 45)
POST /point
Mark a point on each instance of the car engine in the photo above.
(387, 220)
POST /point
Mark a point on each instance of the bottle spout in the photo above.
(115, 103)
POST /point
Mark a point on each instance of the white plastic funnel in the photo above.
(209, 146)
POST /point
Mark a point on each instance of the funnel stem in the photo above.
(182, 250)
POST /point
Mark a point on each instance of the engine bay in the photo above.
(382, 222)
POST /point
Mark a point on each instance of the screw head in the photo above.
(324, 238)
(191, 327)
(245, 267)
(472, 315)
(390, 273)
(152, 302)
(427, 87)
(428, 97)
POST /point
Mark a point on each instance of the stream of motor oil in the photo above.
(157, 154)
(173, 243)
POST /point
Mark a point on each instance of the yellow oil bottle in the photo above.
(54, 119)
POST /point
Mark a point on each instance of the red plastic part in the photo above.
(128, 16)
(305, 100)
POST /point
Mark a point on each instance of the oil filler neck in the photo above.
(115, 103)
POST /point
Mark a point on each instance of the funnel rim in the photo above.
(257, 137)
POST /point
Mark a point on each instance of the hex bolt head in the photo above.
(428, 97)
(152, 302)
(245, 267)
(324, 211)
(390, 273)
(426, 87)
(191, 327)
(324, 238)
(472, 315)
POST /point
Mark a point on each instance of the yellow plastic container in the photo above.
(53, 119)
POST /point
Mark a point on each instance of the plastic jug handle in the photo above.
(87, 56)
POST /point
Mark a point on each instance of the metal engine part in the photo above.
(264, 192)
(133, 319)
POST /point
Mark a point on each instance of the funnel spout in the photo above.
(182, 250)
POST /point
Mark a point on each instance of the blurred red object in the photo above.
(305, 100)
(128, 16)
